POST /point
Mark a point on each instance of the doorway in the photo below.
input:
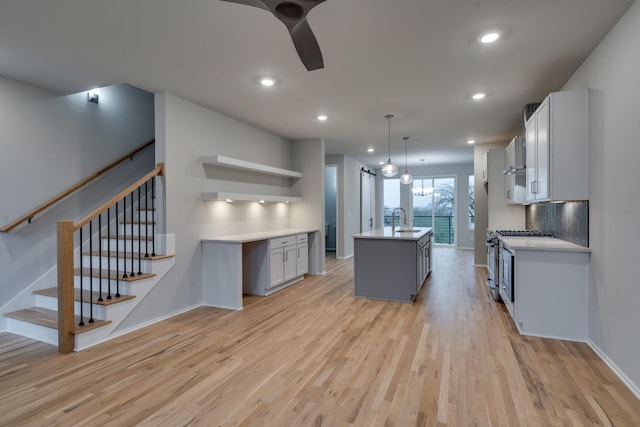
(367, 200)
(330, 208)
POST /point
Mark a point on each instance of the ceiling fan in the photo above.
(293, 14)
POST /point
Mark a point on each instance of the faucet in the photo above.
(393, 219)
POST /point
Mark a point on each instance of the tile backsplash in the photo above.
(567, 221)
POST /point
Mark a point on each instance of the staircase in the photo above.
(108, 282)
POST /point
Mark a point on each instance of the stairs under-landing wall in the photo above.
(119, 296)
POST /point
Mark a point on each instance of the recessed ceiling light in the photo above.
(489, 37)
(471, 141)
(370, 150)
(478, 96)
(322, 117)
(267, 81)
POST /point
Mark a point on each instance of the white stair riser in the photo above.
(145, 216)
(128, 245)
(31, 330)
(99, 311)
(111, 263)
(136, 229)
(125, 287)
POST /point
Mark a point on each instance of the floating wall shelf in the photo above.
(241, 197)
(228, 162)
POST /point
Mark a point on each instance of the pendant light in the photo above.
(406, 177)
(389, 170)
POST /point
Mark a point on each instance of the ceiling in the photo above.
(419, 60)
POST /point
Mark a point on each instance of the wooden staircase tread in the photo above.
(49, 318)
(111, 274)
(128, 255)
(86, 296)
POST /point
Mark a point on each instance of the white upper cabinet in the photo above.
(557, 144)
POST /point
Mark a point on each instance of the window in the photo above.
(434, 206)
(391, 199)
(472, 202)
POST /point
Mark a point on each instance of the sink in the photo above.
(408, 230)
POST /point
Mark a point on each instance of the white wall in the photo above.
(613, 72)
(185, 133)
(49, 143)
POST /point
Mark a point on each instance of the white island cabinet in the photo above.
(391, 265)
(253, 263)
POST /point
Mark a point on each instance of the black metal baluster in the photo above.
(100, 257)
(153, 208)
(109, 252)
(131, 207)
(90, 274)
(117, 255)
(124, 237)
(146, 216)
(81, 281)
(139, 235)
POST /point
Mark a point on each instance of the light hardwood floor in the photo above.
(315, 355)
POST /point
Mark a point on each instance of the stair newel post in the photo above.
(99, 258)
(81, 323)
(146, 216)
(131, 207)
(139, 234)
(90, 274)
(108, 251)
(65, 286)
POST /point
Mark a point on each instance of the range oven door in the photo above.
(492, 266)
(507, 288)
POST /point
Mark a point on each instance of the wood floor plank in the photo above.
(313, 354)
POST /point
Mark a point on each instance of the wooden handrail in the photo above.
(65, 193)
(159, 170)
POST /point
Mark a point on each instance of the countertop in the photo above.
(254, 237)
(541, 244)
(386, 233)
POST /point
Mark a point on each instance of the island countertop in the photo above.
(385, 233)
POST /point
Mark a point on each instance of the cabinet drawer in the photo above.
(280, 242)
(302, 238)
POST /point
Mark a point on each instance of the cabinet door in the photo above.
(302, 259)
(289, 262)
(542, 151)
(530, 150)
(510, 184)
(276, 267)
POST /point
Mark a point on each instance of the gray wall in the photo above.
(613, 71)
(47, 144)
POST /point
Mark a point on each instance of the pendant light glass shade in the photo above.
(389, 170)
(406, 177)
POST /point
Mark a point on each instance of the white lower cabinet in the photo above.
(288, 259)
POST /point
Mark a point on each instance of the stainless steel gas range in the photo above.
(500, 262)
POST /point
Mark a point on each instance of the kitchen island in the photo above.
(391, 265)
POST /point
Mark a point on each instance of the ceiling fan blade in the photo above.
(255, 3)
(306, 45)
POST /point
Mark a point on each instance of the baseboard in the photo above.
(480, 265)
(634, 389)
(344, 257)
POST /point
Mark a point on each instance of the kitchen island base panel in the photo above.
(222, 269)
(385, 269)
